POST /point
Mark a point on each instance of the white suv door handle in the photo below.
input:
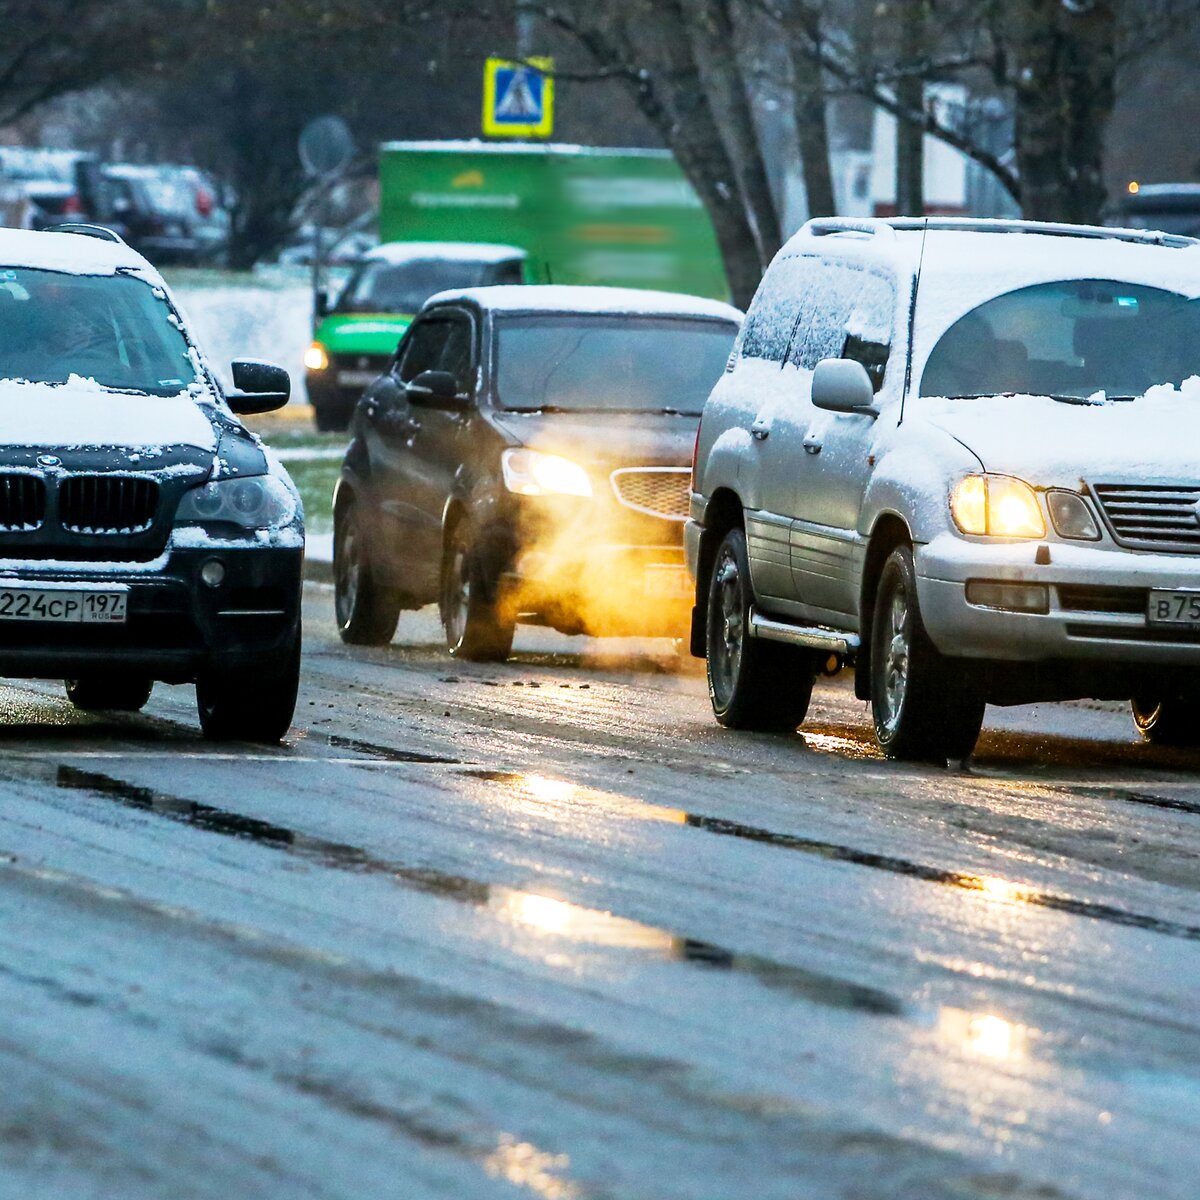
(812, 443)
(760, 429)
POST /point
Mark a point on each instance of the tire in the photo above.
(1167, 720)
(242, 708)
(752, 683)
(95, 693)
(331, 418)
(923, 704)
(478, 627)
(366, 613)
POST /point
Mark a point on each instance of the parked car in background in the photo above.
(525, 457)
(47, 187)
(145, 535)
(171, 214)
(356, 338)
(1171, 207)
(982, 489)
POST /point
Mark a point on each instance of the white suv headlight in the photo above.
(255, 502)
(997, 506)
(533, 473)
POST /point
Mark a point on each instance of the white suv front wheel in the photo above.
(923, 707)
(753, 684)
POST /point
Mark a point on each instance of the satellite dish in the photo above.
(326, 145)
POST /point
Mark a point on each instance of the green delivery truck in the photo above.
(458, 214)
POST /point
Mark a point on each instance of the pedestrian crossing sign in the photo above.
(518, 98)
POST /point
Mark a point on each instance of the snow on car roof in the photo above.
(72, 253)
(565, 298)
(483, 252)
(965, 262)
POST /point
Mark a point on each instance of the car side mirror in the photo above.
(260, 387)
(321, 303)
(843, 385)
(437, 389)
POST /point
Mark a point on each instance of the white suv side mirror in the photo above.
(843, 385)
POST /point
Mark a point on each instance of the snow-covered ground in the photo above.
(268, 315)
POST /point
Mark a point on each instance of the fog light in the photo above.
(1012, 597)
(213, 572)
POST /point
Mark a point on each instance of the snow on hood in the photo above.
(1049, 443)
(82, 413)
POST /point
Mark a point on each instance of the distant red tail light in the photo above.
(204, 202)
(72, 205)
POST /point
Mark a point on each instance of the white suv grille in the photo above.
(1152, 516)
(657, 491)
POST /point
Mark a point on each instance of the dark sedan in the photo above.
(527, 458)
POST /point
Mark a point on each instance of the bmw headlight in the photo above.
(255, 502)
(534, 473)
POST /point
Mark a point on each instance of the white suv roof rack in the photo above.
(885, 226)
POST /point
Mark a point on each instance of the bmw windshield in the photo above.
(115, 329)
(1071, 340)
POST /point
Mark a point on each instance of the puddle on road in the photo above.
(546, 789)
(545, 915)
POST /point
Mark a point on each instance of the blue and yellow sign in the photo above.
(518, 98)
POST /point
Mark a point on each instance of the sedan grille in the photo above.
(107, 504)
(1151, 516)
(22, 503)
(658, 491)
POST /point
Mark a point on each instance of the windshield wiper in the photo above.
(1061, 397)
(678, 412)
(539, 408)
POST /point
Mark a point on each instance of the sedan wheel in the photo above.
(366, 612)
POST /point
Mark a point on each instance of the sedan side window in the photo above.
(423, 348)
(457, 355)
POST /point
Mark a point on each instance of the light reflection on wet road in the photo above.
(544, 930)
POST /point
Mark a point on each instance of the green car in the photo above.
(356, 339)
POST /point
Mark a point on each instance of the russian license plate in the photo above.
(62, 606)
(357, 378)
(1174, 608)
(668, 583)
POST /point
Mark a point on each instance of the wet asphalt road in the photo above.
(545, 930)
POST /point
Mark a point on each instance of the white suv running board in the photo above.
(812, 637)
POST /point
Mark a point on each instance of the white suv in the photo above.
(965, 457)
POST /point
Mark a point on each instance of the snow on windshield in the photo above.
(115, 329)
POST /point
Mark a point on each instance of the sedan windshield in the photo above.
(115, 329)
(1070, 340)
(381, 287)
(618, 364)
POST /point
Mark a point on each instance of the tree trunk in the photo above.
(812, 134)
(709, 24)
(670, 94)
(1066, 90)
(910, 93)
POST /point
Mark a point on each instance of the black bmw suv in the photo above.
(527, 458)
(145, 535)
